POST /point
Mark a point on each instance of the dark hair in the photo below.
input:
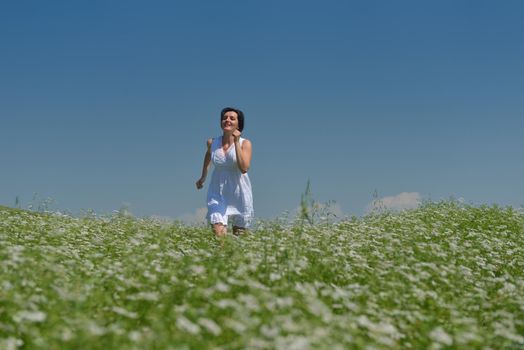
(239, 113)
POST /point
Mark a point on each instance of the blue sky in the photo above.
(110, 103)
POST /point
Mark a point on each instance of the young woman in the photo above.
(229, 196)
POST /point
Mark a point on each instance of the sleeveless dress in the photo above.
(229, 195)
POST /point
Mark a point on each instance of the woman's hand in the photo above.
(200, 183)
(236, 135)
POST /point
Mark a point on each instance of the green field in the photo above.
(443, 276)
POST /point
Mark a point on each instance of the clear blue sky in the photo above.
(111, 102)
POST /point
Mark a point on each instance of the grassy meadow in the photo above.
(443, 276)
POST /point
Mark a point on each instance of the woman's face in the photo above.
(230, 121)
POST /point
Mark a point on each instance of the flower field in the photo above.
(442, 276)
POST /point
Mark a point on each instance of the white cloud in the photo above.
(196, 218)
(404, 200)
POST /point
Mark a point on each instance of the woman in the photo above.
(229, 196)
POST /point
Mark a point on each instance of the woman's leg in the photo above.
(239, 225)
(237, 230)
(220, 230)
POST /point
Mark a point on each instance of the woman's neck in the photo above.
(227, 138)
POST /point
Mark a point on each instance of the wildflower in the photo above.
(186, 325)
(124, 312)
(210, 326)
(31, 316)
(439, 335)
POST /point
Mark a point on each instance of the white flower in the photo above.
(222, 287)
(31, 316)
(11, 343)
(135, 336)
(293, 343)
(150, 296)
(440, 336)
(237, 326)
(124, 312)
(210, 326)
(198, 269)
(274, 276)
(6, 285)
(186, 325)
(95, 329)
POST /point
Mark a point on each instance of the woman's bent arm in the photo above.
(243, 154)
(205, 167)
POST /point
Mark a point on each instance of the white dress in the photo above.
(229, 195)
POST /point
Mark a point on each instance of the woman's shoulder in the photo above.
(210, 142)
(213, 139)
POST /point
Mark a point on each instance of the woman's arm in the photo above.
(243, 152)
(205, 167)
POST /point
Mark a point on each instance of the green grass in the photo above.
(445, 275)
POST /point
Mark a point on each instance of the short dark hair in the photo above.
(239, 113)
